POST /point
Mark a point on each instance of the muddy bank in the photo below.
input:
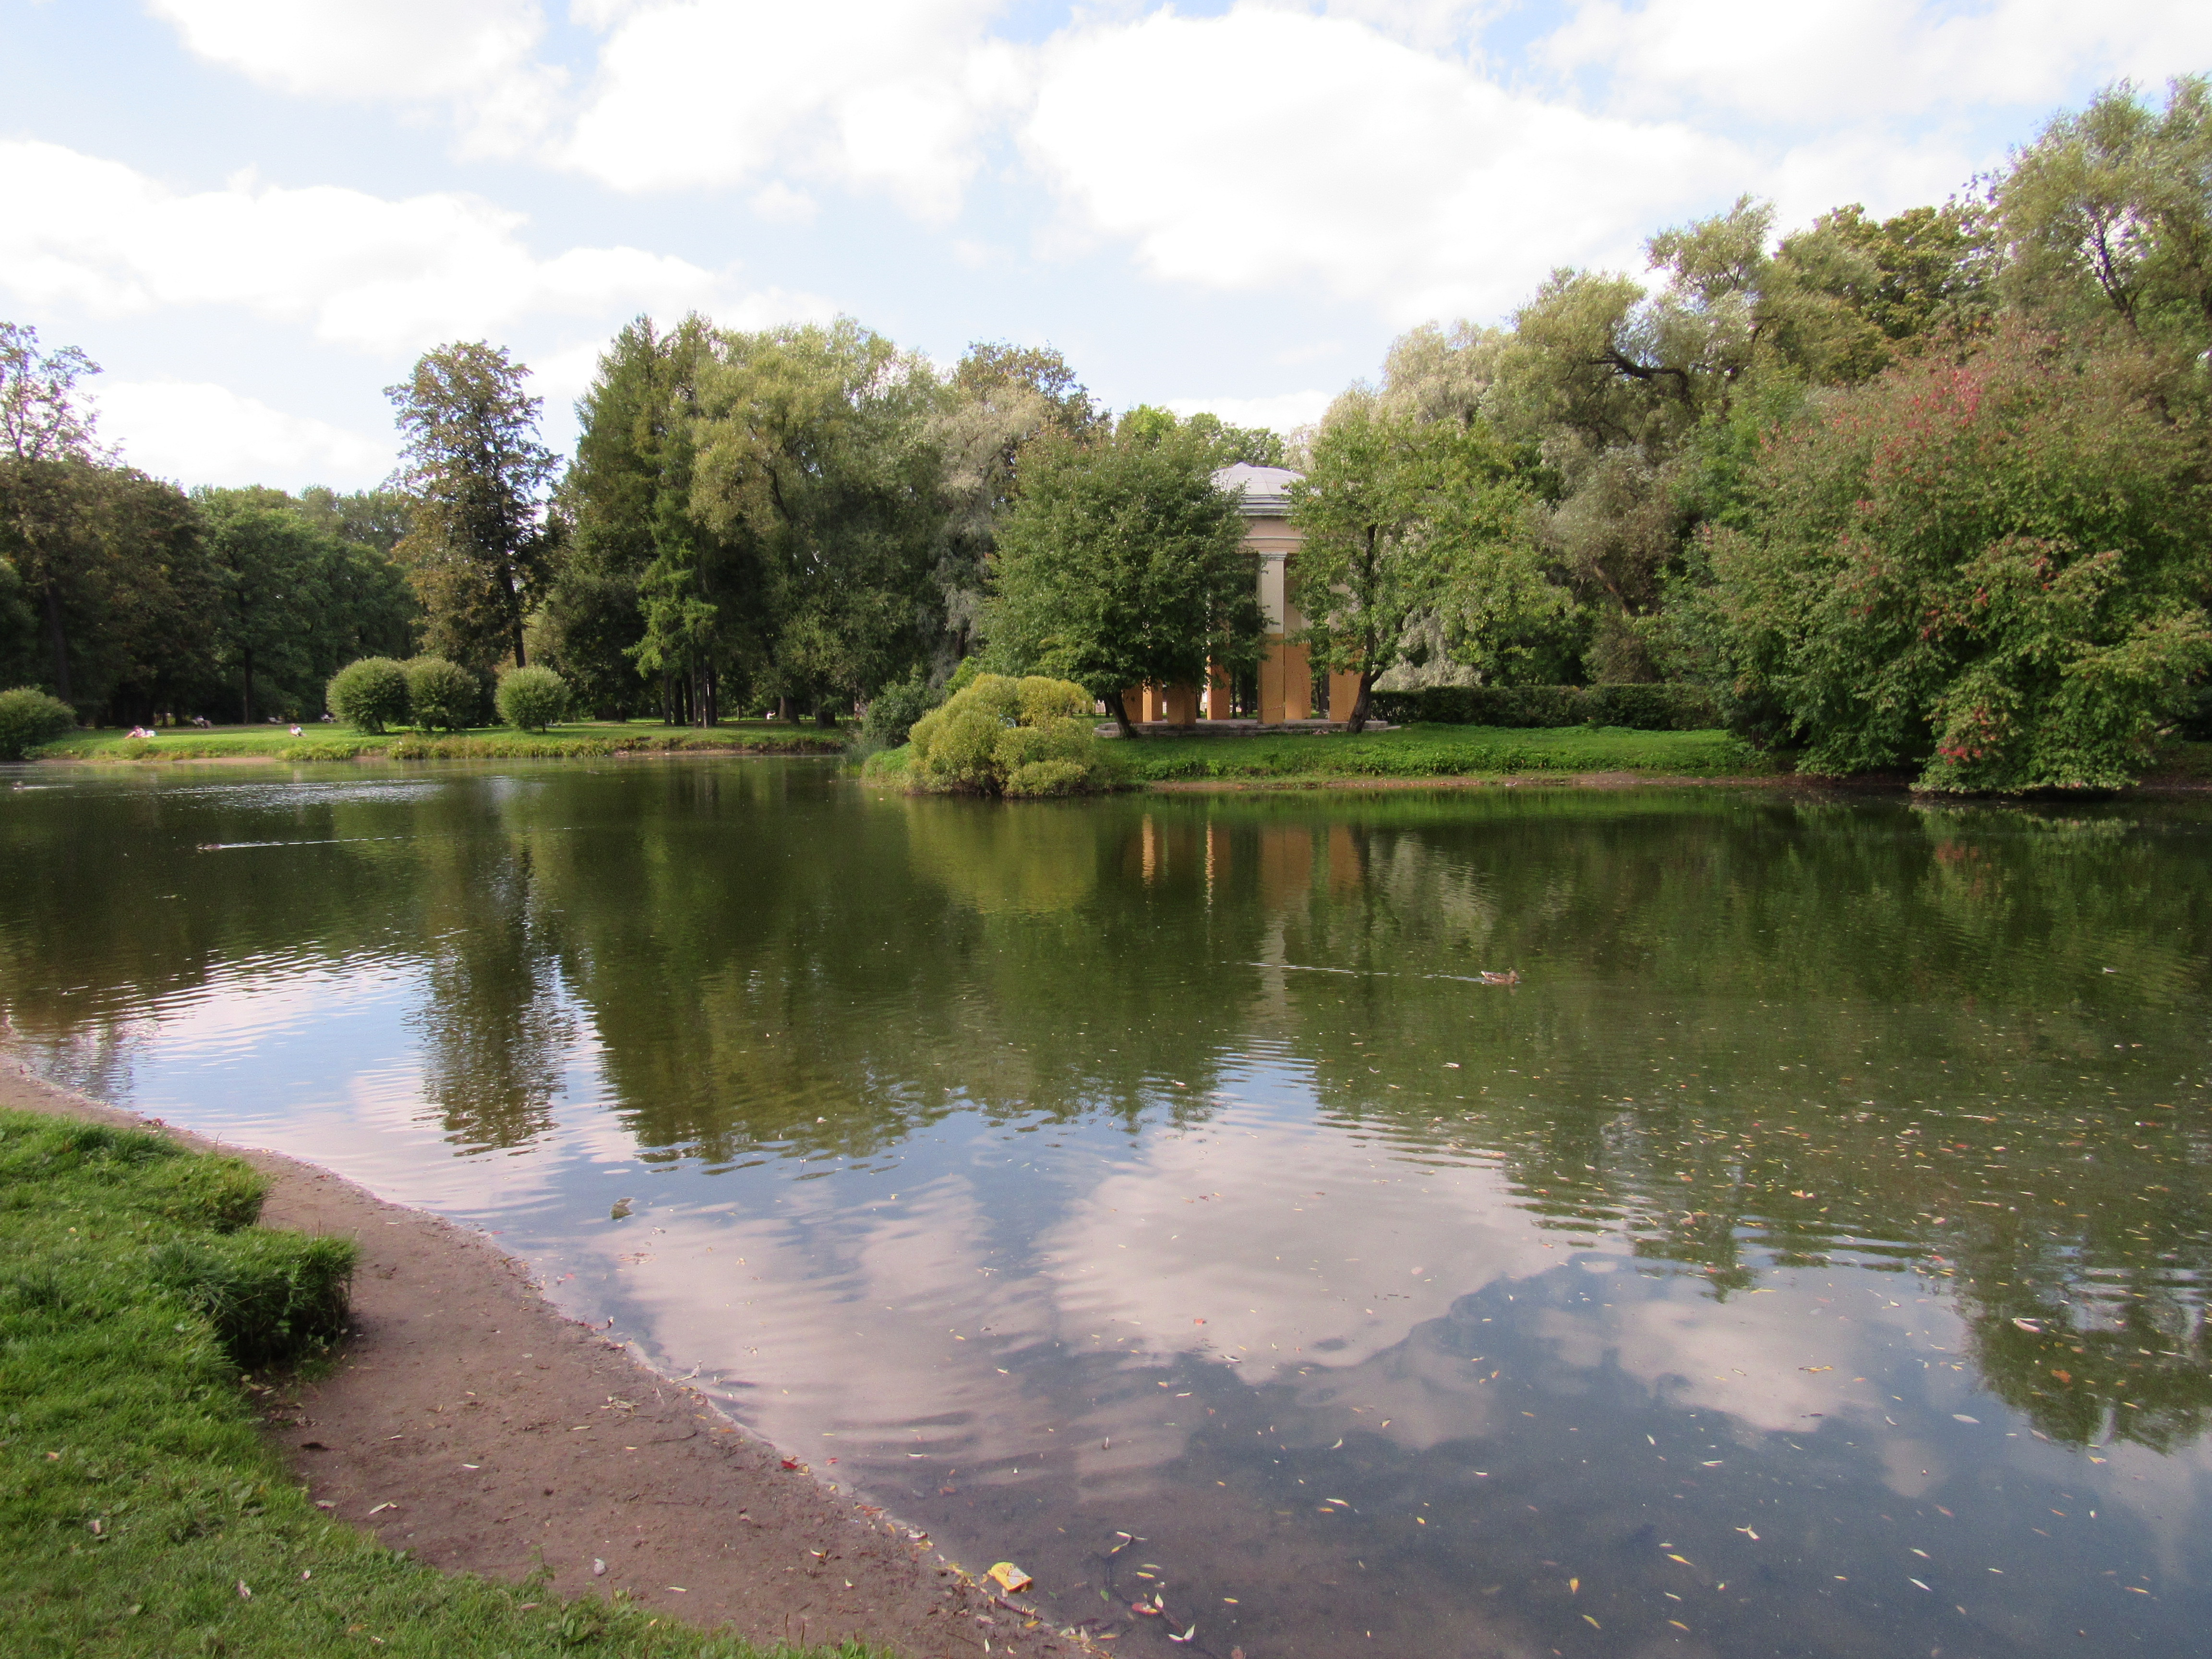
(468, 1422)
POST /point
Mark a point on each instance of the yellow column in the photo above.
(1298, 684)
(1221, 695)
(1271, 681)
(1179, 705)
(1343, 692)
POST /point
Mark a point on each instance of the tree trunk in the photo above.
(1120, 711)
(245, 698)
(57, 643)
(826, 716)
(786, 709)
(519, 662)
(1361, 711)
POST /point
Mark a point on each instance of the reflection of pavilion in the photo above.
(1286, 685)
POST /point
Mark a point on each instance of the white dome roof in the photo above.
(1262, 487)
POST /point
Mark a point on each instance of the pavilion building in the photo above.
(1286, 688)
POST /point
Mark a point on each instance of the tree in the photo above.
(376, 519)
(1255, 445)
(294, 601)
(476, 546)
(265, 556)
(2110, 210)
(1002, 400)
(1993, 569)
(640, 593)
(820, 475)
(1403, 520)
(1120, 564)
(1847, 297)
(46, 424)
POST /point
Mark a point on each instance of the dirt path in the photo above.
(470, 1423)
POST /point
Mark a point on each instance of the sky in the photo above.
(256, 214)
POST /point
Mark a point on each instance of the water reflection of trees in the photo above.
(1751, 1028)
(1957, 1097)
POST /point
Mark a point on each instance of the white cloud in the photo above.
(1847, 61)
(881, 95)
(474, 55)
(1285, 412)
(199, 433)
(359, 271)
(1388, 175)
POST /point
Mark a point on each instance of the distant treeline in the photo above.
(1931, 489)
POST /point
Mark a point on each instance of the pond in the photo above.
(1805, 1253)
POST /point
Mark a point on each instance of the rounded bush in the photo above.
(892, 713)
(28, 717)
(444, 695)
(1008, 737)
(369, 694)
(532, 698)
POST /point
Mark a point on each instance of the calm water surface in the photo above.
(1807, 1256)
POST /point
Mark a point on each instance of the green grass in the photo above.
(1437, 751)
(1413, 751)
(575, 739)
(136, 1495)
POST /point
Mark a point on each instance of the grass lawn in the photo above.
(335, 743)
(140, 1512)
(1423, 751)
(1414, 752)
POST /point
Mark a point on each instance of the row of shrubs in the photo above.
(377, 693)
(1638, 708)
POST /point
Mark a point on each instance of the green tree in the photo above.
(818, 472)
(294, 601)
(641, 591)
(266, 558)
(476, 547)
(1993, 569)
(44, 424)
(1847, 297)
(2109, 211)
(1001, 400)
(1405, 520)
(1120, 564)
(376, 519)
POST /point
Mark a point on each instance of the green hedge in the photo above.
(1638, 708)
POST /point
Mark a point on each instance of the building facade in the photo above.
(1286, 685)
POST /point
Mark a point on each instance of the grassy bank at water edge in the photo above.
(1417, 752)
(140, 1512)
(574, 738)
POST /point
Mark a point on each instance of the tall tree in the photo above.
(1121, 564)
(634, 551)
(477, 547)
(263, 553)
(294, 601)
(1404, 521)
(818, 466)
(1002, 400)
(46, 424)
(1993, 569)
(376, 519)
(2112, 209)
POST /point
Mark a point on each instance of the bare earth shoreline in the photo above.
(471, 1423)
